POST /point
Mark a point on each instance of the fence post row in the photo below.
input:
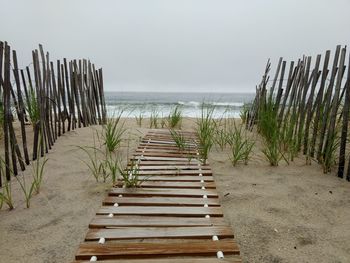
(318, 99)
(62, 95)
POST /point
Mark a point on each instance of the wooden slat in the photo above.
(180, 178)
(183, 185)
(151, 154)
(175, 172)
(231, 259)
(165, 151)
(143, 249)
(160, 201)
(173, 167)
(160, 210)
(119, 233)
(191, 163)
(163, 192)
(151, 145)
(160, 158)
(154, 221)
(164, 142)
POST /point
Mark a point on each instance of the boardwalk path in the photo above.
(175, 216)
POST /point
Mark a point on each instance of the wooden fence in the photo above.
(55, 97)
(313, 96)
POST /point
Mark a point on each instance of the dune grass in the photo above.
(32, 107)
(6, 190)
(139, 119)
(179, 139)
(154, 119)
(112, 132)
(268, 127)
(175, 118)
(241, 145)
(205, 131)
(130, 174)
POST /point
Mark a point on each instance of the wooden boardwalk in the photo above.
(174, 217)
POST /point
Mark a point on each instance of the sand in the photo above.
(289, 213)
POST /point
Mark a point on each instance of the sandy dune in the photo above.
(289, 213)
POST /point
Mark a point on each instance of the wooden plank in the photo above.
(192, 163)
(150, 154)
(161, 151)
(162, 146)
(173, 167)
(154, 221)
(180, 178)
(161, 142)
(188, 185)
(212, 259)
(176, 172)
(160, 158)
(163, 192)
(119, 233)
(160, 210)
(161, 201)
(143, 249)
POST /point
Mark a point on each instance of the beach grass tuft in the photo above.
(175, 117)
(112, 132)
(205, 131)
(241, 145)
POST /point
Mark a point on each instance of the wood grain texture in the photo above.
(154, 221)
(160, 201)
(178, 178)
(119, 233)
(209, 259)
(143, 249)
(160, 211)
(163, 192)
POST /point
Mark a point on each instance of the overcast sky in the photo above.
(178, 45)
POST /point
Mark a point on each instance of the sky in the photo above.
(176, 45)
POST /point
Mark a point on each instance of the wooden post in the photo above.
(318, 103)
(344, 131)
(7, 113)
(20, 107)
(327, 104)
(309, 104)
(291, 75)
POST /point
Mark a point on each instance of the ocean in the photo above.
(136, 103)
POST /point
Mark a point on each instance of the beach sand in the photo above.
(289, 213)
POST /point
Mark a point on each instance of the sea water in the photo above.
(145, 103)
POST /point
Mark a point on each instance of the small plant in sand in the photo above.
(38, 172)
(32, 107)
(28, 192)
(179, 139)
(175, 118)
(205, 131)
(241, 145)
(269, 129)
(112, 132)
(139, 119)
(162, 122)
(221, 138)
(94, 163)
(154, 119)
(243, 114)
(6, 193)
(130, 174)
(112, 167)
(289, 137)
